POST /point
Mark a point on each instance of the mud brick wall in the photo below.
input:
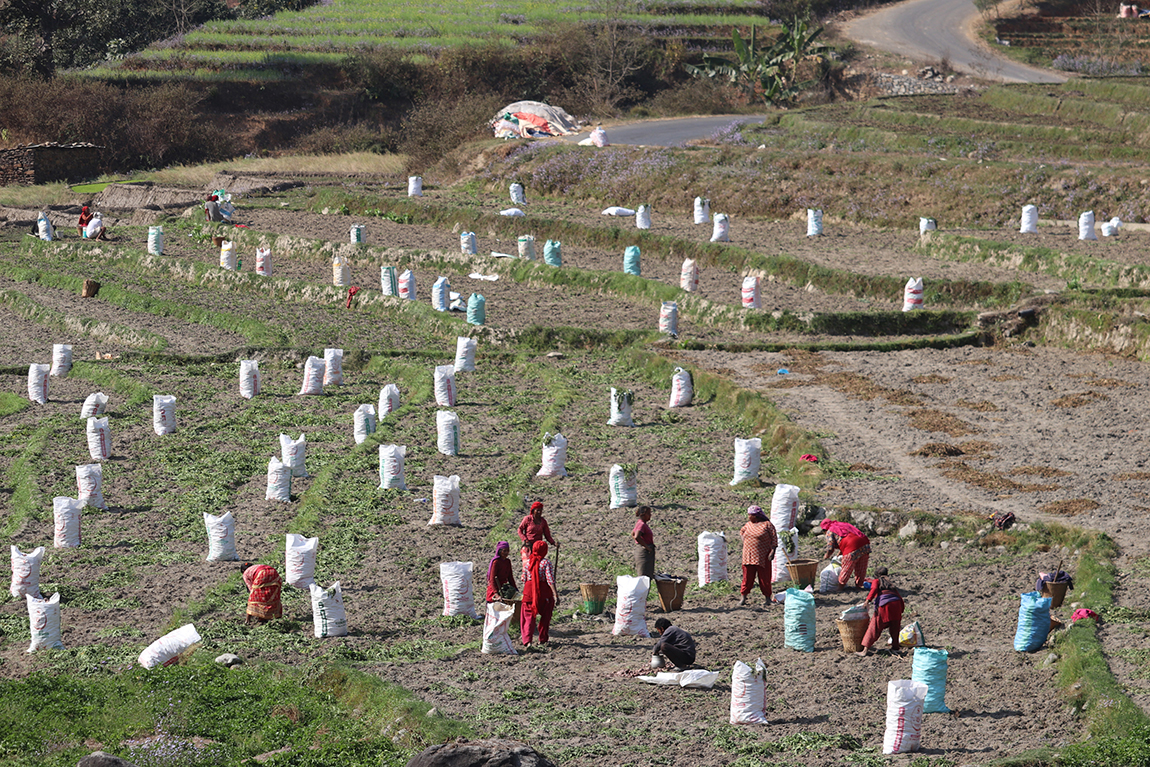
(41, 163)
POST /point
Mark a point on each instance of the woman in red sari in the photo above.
(854, 546)
(888, 612)
(499, 573)
(539, 595)
(263, 582)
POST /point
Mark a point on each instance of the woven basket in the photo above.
(1056, 590)
(594, 597)
(852, 633)
(804, 572)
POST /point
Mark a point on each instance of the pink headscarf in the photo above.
(842, 529)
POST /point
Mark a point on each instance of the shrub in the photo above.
(697, 97)
(341, 139)
(435, 128)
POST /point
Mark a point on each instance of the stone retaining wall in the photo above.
(907, 85)
(41, 163)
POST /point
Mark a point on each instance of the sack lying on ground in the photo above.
(615, 210)
(912, 636)
(169, 647)
(829, 579)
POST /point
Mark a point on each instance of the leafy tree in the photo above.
(769, 73)
(37, 22)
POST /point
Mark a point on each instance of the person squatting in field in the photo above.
(645, 540)
(674, 644)
(539, 596)
(853, 545)
(533, 528)
(264, 585)
(500, 579)
(888, 611)
(759, 544)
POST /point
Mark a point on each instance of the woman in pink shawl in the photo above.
(852, 544)
(499, 574)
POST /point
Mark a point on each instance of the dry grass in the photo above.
(982, 406)
(1046, 472)
(977, 447)
(862, 388)
(930, 378)
(994, 481)
(37, 196)
(803, 361)
(938, 450)
(864, 467)
(925, 419)
(1094, 380)
(1131, 475)
(1071, 507)
(1007, 377)
(982, 361)
(334, 164)
(1078, 400)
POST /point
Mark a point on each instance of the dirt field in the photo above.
(1055, 431)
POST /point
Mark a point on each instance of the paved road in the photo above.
(935, 29)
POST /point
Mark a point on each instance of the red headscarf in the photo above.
(536, 589)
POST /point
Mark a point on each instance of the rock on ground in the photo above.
(482, 753)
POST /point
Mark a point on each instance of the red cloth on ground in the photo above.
(749, 573)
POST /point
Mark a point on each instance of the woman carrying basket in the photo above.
(888, 612)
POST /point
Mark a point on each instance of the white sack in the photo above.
(643, 217)
(752, 299)
(457, 581)
(169, 647)
(926, 225)
(712, 557)
(445, 385)
(616, 210)
(669, 318)
(228, 255)
(264, 262)
(163, 413)
(299, 557)
(364, 423)
(512, 213)
(495, 638)
(527, 247)
(156, 240)
(99, 439)
(599, 137)
(904, 703)
(279, 481)
(44, 228)
(912, 294)
(621, 401)
(26, 572)
(682, 389)
(313, 373)
(447, 432)
(1029, 223)
(445, 502)
(624, 487)
(44, 623)
(94, 405)
(329, 617)
(414, 186)
(293, 452)
(250, 380)
(1086, 226)
(90, 485)
(689, 276)
(66, 516)
(340, 272)
(749, 693)
(784, 515)
(388, 400)
(1109, 229)
(829, 579)
(38, 383)
(61, 360)
(465, 354)
(221, 537)
(814, 222)
(407, 285)
(333, 367)
(467, 244)
(358, 234)
(391, 467)
(440, 294)
(702, 210)
(554, 456)
(748, 457)
(631, 610)
(721, 232)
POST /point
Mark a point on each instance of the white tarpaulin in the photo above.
(533, 118)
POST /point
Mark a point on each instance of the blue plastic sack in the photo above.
(799, 620)
(929, 667)
(552, 253)
(1033, 622)
(476, 309)
(631, 260)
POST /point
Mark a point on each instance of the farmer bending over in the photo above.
(674, 644)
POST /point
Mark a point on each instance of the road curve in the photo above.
(941, 29)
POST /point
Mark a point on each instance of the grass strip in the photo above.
(27, 501)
